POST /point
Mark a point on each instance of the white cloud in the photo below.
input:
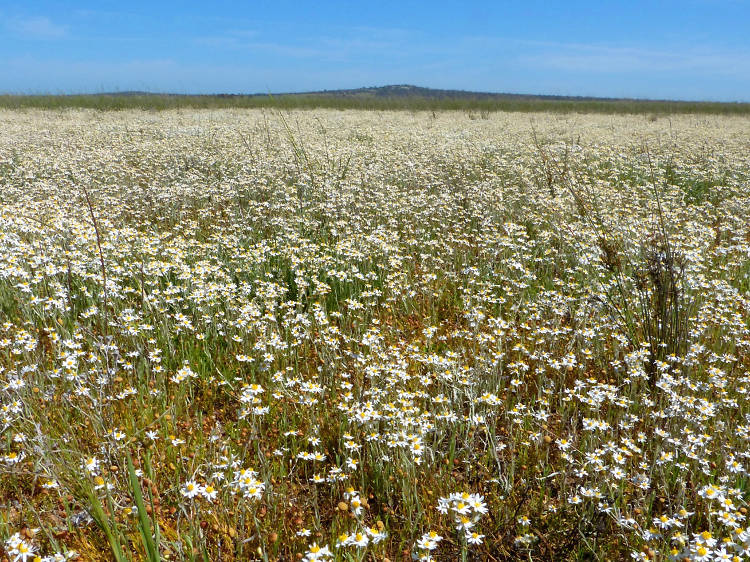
(608, 59)
(345, 45)
(37, 28)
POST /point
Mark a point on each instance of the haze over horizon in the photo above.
(692, 50)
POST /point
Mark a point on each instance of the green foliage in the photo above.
(275, 313)
(473, 106)
(150, 538)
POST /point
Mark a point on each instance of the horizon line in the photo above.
(447, 91)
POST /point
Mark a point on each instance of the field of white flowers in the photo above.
(339, 335)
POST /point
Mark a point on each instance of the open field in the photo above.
(245, 334)
(477, 105)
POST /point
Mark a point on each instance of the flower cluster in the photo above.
(466, 510)
(23, 550)
(550, 312)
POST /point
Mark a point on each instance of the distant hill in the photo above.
(410, 91)
(394, 97)
(392, 91)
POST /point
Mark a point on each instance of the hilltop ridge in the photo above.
(390, 91)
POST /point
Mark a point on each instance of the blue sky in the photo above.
(692, 49)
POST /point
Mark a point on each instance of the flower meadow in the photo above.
(351, 335)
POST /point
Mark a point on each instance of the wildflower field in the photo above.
(360, 335)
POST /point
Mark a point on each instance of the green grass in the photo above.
(489, 300)
(114, 102)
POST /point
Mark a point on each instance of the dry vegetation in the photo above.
(241, 334)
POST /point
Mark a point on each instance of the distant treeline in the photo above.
(159, 102)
